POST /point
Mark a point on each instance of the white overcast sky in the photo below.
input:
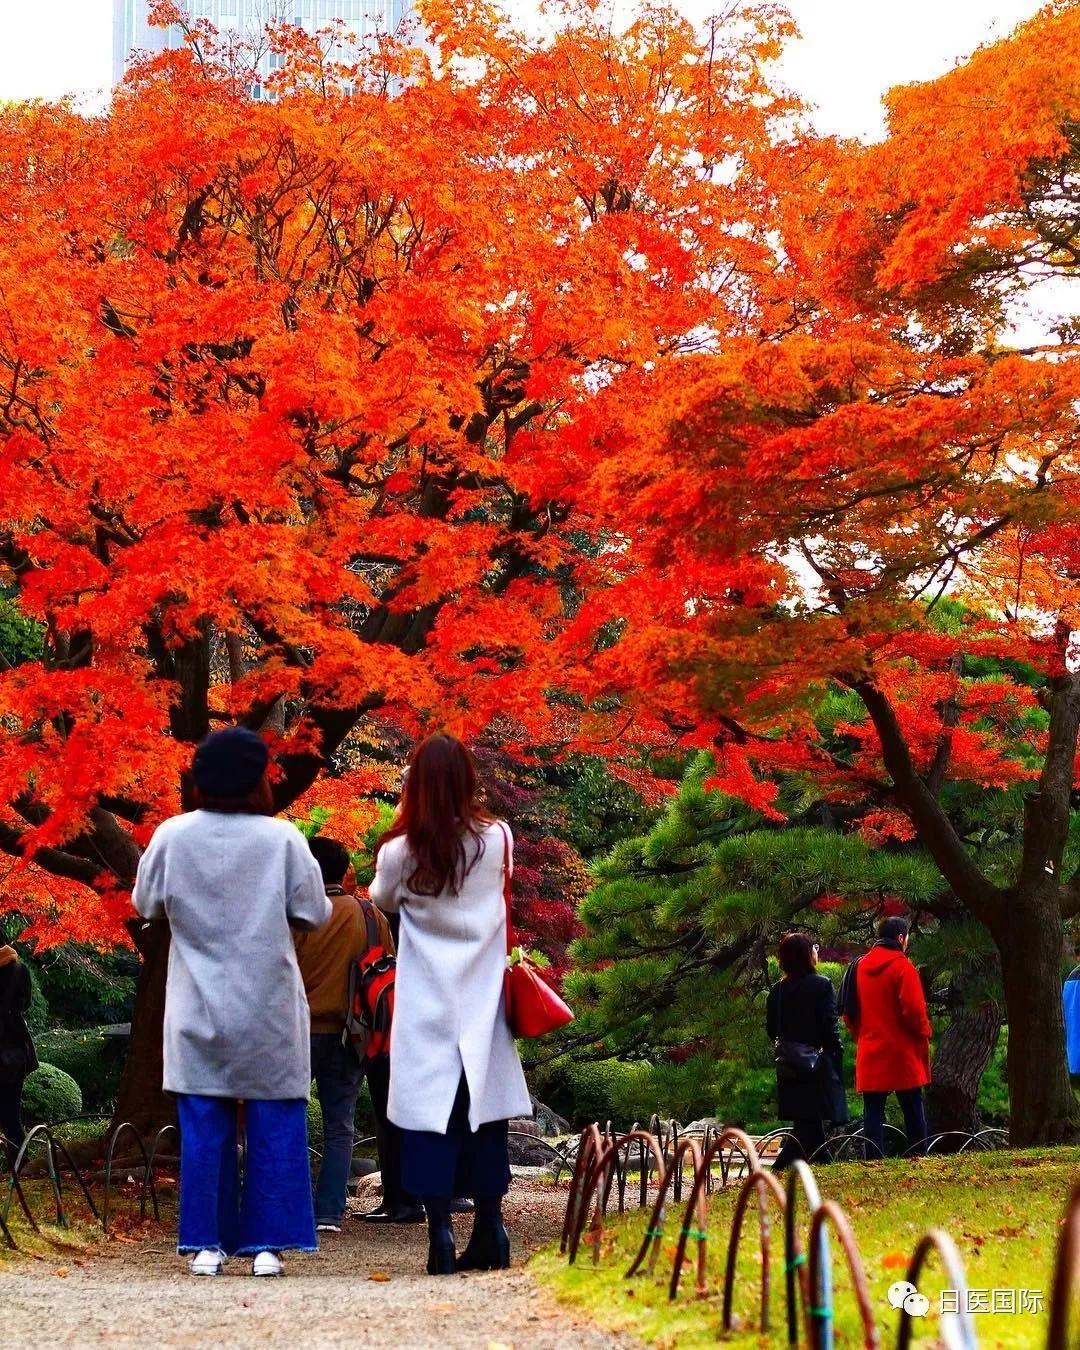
(850, 53)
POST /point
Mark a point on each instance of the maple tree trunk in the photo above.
(1043, 1108)
(140, 1098)
(960, 1061)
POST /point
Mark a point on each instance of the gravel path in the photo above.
(363, 1289)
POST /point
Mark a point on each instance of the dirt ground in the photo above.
(365, 1288)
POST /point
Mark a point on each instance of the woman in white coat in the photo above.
(455, 1076)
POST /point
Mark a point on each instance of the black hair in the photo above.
(332, 857)
(796, 955)
(258, 802)
(893, 929)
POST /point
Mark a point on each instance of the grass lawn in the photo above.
(1003, 1211)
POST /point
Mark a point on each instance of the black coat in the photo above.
(17, 1056)
(804, 1009)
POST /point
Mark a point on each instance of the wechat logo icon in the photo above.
(904, 1295)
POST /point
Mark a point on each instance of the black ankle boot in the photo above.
(441, 1260)
(488, 1247)
(440, 1239)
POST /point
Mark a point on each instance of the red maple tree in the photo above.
(802, 499)
(291, 394)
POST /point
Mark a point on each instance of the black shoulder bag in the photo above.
(795, 1061)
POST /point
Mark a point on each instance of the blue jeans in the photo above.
(271, 1209)
(338, 1073)
(911, 1103)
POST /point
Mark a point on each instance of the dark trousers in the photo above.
(911, 1103)
(387, 1134)
(809, 1137)
(338, 1074)
(459, 1162)
(11, 1125)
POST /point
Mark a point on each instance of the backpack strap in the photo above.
(372, 932)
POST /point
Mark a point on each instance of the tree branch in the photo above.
(53, 860)
(935, 829)
(950, 715)
(1047, 812)
(300, 771)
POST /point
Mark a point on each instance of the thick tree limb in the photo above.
(935, 829)
(1047, 812)
(950, 715)
(54, 860)
(300, 771)
(115, 845)
(188, 664)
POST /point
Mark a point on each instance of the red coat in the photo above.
(892, 1038)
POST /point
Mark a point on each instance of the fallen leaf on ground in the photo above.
(379, 1276)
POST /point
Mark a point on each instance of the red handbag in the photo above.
(533, 1008)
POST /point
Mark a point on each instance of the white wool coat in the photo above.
(236, 1016)
(449, 1009)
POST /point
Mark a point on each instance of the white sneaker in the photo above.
(328, 1228)
(267, 1263)
(208, 1262)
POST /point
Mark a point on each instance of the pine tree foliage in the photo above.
(683, 919)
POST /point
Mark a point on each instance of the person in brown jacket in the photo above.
(326, 957)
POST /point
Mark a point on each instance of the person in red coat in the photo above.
(885, 1009)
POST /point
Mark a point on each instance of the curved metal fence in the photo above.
(697, 1160)
(675, 1166)
(44, 1155)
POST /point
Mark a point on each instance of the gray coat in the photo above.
(449, 1011)
(236, 1019)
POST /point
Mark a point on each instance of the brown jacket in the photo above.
(326, 956)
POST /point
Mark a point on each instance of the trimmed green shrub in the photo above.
(622, 1091)
(626, 1091)
(51, 1095)
(610, 1089)
(92, 1060)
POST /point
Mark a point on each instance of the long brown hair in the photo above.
(439, 808)
(796, 955)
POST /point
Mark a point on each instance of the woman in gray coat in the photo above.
(231, 880)
(455, 1076)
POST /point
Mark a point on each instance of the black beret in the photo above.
(229, 763)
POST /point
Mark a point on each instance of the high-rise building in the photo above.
(132, 31)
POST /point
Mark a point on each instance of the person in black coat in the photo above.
(801, 1008)
(17, 1056)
